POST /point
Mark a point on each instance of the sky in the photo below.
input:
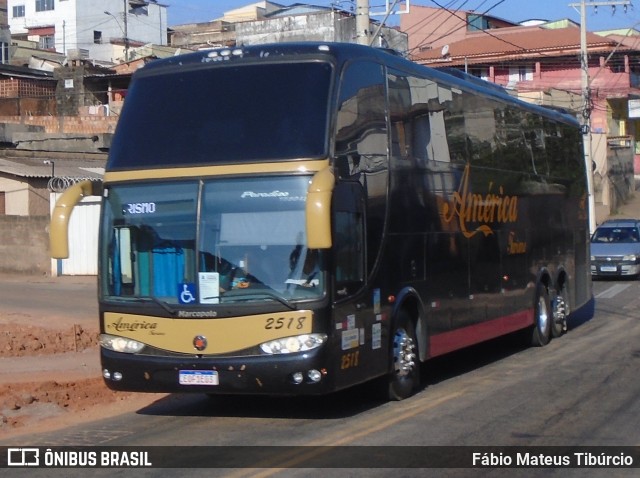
(602, 18)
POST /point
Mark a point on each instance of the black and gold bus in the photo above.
(300, 218)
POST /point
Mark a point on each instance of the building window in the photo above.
(97, 37)
(525, 73)
(4, 52)
(482, 73)
(519, 73)
(47, 42)
(477, 22)
(18, 11)
(44, 5)
(139, 10)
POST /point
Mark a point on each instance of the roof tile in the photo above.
(516, 40)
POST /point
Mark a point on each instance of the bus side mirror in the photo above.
(318, 209)
(59, 227)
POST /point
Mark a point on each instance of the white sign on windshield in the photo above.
(209, 283)
(263, 229)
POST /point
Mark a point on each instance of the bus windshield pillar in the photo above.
(318, 209)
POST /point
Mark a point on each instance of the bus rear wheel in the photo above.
(560, 311)
(543, 318)
(404, 378)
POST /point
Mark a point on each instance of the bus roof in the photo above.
(341, 53)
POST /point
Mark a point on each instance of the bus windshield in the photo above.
(226, 115)
(209, 242)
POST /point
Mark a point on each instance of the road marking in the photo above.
(319, 447)
(612, 291)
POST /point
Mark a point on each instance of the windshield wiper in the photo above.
(253, 295)
(155, 300)
(162, 304)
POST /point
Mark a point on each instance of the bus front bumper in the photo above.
(286, 374)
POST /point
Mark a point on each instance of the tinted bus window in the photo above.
(225, 116)
(362, 144)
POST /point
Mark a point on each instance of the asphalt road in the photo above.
(580, 390)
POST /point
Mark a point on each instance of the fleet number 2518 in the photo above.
(296, 323)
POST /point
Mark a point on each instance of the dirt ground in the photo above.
(50, 378)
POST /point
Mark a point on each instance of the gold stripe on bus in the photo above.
(299, 166)
(222, 335)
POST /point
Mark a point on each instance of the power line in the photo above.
(445, 9)
(487, 32)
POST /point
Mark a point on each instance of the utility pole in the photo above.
(586, 98)
(362, 22)
(126, 31)
(363, 19)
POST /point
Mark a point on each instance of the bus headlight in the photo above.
(300, 343)
(120, 344)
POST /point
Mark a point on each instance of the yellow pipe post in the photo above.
(59, 227)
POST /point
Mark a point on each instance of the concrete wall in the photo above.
(620, 173)
(329, 27)
(613, 179)
(24, 245)
(16, 196)
(70, 93)
(22, 198)
(91, 124)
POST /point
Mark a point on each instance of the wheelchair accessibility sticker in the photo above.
(187, 293)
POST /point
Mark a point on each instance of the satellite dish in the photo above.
(445, 51)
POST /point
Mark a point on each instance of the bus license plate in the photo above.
(198, 377)
(608, 268)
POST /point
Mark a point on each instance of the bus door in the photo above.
(356, 310)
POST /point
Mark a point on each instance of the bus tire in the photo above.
(404, 378)
(543, 318)
(560, 312)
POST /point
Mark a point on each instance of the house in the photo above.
(251, 12)
(103, 30)
(431, 28)
(541, 64)
(269, 22)
(219, 32)
(26, 182)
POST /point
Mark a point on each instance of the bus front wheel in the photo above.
(404, 378)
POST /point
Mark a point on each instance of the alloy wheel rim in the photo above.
(543, 314)
(404, 353)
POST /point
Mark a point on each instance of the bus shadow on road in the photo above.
(582, 315)
(355, 400)
(475, 357)
(337, 405)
